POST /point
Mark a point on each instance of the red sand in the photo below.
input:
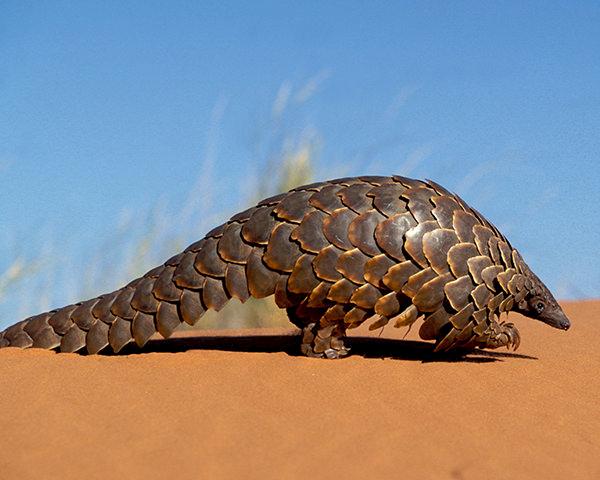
(204, 413)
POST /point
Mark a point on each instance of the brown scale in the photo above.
(351, 264)
(476, 265)
(205, 262)
(231, 247)
(341, 291)
(463, 225)
(390, 233)
(327, 199)
(318, 296)
(434, 324)
(432, 294)
(413, 241)
(325, 262)
(376, 268)
(97, 337)
(214, 296)
(72, 341)
(399, 274)
(282, 252)
(303, 278)
(60, 321)
(315, 187)
(435, 248)
(376, 180)
(334, 254)
(257, 228)
(419, 203)
(164, 288)
(458, 291)
(335, 227)
(388, 305)
(361, 232)
(142, 327)
(386, 198)
(185, 275)
(236, 282)
(283, 297)
(458, 257)
(294, 206)
(261, 280)
(309, 234)
(167, 318)
(355, 197)
(190, 307)
(365, 296)
(444, 210)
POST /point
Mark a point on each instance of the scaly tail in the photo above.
(227, 263)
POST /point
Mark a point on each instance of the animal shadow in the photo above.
(367, 347)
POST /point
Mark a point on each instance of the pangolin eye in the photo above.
(539, 306)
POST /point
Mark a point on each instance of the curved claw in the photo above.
(514, 337)
(516, 340)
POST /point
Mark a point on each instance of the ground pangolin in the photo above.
(335, 254)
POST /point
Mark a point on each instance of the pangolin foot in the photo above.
(323, 342)
(503, 335)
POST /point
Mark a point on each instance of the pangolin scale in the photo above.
(334, 254)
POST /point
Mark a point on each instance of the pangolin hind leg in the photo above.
(323, 331)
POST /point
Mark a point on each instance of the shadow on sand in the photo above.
(367, 347)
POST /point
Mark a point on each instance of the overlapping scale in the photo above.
(310, 232)
(419, 203)
(327, 199)
(282, 252)
(386, 198)
(436, 245)
(361, 232)
(458, 291)
(458, 256)
(257, 228)
(325, 262)
(413, 241)
(376, 268)
(351, 264)
(335, 227)
(390, 233)
(463, 225)
(355, 197)
(294, 206)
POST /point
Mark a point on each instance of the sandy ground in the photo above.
(185, 409)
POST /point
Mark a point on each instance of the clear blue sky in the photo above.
(107, 105)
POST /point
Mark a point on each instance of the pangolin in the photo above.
(334, 254)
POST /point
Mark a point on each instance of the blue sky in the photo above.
(106, 106)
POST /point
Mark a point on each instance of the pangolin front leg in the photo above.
(500, 335)
(485, 334)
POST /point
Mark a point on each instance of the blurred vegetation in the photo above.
(285, 158)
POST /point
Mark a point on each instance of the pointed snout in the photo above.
(564, 324)
(557, 319)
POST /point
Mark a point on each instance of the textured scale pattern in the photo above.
(334, 254)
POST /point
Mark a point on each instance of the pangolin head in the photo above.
(541, 305)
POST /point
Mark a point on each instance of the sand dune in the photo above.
(245, 408)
